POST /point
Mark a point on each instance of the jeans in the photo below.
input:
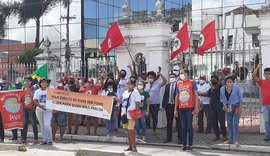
(44, 118)
(266, 118)
(111, 124)
(186, 118)
(141, 125)
(29, 114)
(205, 110)
(233, 126)
(154, 112)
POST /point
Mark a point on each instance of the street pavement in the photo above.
(68, 148)
(248, 141)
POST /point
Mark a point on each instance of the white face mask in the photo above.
(151, 80)
(140, 87)
(182, 76)
(172, 80)
(176, 72)
(202, 82)
(80, 82)
(110, 89)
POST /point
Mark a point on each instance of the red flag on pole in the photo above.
(181, 42)
(114, 39)
(12, 109)
(207, 38)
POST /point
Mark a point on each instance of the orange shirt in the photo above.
(186, 90)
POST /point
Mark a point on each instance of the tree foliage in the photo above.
(28, 56)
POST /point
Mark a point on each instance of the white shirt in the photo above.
(203, 89)
(41, 95)
(135, 97)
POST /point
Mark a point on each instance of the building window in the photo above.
(230, 41)
(255, 40)
(141, 63)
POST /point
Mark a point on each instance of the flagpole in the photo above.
(129, 52)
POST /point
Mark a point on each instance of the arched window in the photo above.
(141, 63)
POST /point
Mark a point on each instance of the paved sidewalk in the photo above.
(200, 140)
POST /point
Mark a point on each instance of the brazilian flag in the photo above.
(40, 73)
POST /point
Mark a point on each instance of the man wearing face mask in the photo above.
(216, 107)
(168, 104)
(203, 87)
(176, 71)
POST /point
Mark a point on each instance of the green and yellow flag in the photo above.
(40, 73)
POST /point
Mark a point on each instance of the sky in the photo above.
(52, 19)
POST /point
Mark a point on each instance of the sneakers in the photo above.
(184, 148)
(190, 148)
(144, 138)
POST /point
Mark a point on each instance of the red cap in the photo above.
(91, 81)
(225, 70)
(65, 78)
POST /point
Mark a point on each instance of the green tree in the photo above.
(5, 12)
(28, 56)
(33, 10)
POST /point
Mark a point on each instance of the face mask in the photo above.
(176, 72)
(80, 82)
(182, 76)
(151, 80)
(229, 85)
(123, 75)
(60, 84)
(140, 87)
(110, 89)
(214, 82)
(202, 82)
(110, 83)
(172, 80)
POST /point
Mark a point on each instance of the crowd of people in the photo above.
(137, 102)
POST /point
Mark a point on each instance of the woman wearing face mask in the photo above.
(144, 106)
(154, 92)
(44, 115)
(231, 96)
(110, 89)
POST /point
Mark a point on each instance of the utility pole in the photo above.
(68, 50)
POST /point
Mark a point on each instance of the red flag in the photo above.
(181, 42)
(114, 39)
(207, 38)
(12, 109)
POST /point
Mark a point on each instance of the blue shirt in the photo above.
(235, 98)
(154, 92)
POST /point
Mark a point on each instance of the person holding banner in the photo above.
(110, 89)
(44, 115)
(29, 109)
(92, 89)
(130, 103)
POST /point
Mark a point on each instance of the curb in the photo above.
(121, 140)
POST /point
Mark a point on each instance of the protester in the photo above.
(265, 92)
(131, 102)
(204, 102)
(59, 118)
(154, 92)
(186, 105)
(110, 89)
(29, 109)
(44, 115)
(73, 118)
(144, 106)
(92, 89)
(168, 103)
(232, 97)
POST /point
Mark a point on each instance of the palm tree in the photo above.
(5, 11)
(33, 10)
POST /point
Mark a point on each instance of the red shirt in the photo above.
(265, 87)
(186, 90)
(92, 90)
(28, 99)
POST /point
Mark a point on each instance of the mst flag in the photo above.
(11, 109)
(207, 38)
(181, 42)
(114, 39)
